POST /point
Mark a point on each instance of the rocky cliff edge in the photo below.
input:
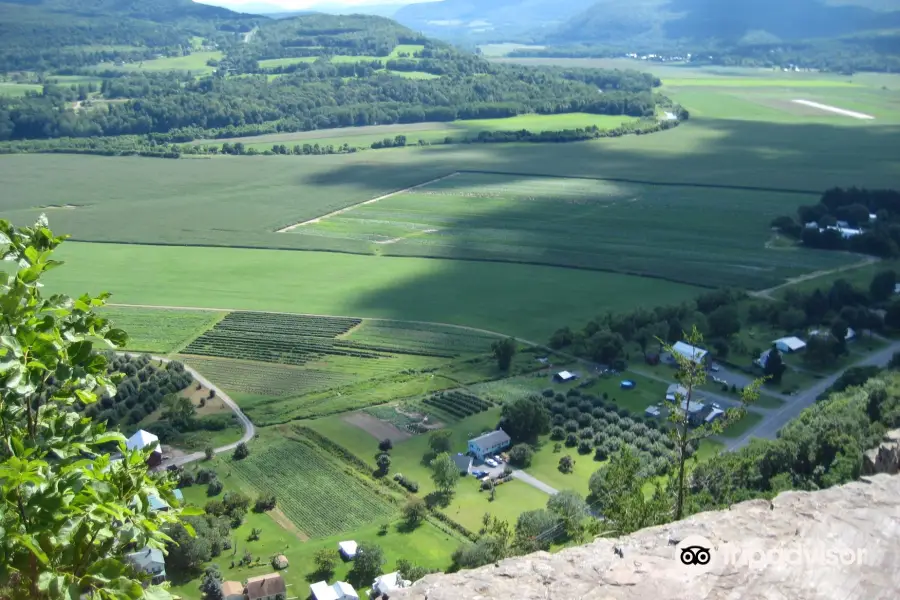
(841, 543)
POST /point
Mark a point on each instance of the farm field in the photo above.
(425, 545)
(161, 331)
(414, 289)
(313, 490)
(194, 62)
(428, 132)
(584, 223)
(283, 62)
(19, 89)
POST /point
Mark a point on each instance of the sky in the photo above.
(301, 4)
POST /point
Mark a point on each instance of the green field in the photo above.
(365, 286)
(194, 62)
(161, 331)
(363, 137)
(313, 490)
(283, 62)
(19, 89)
(584, 223)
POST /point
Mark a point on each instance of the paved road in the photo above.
(775, 419)
(249, 428)
(534, 482)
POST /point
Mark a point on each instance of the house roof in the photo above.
(389, 582)
(322, 591)
(653, 410)
(179, 495)
(792, 342)
(675, 390)
(714, 414)
(690, 352)
(142, 439)
(565, 375)
(491, 439)
(265, 585)
(157, 503)
(232, 588)
(348, 548)
(462, 461)
(344, 590)
(147, 557)
(695, 407)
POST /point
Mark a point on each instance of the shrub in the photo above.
(571, 440)
(585, 406)
(264, 503)
(557, 433)
(566, 464)
(585, 447)
(584, 419)
(600, 453)
(547, 393)
(385, 445)
(574, 393)
(557, 420)
(586, 433)
(214, 488)
(571, 425)
(209, 452)
(241, 451)
(560, 398)
(521, 455)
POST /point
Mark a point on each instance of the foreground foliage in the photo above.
(68, 515)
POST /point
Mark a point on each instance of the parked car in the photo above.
(716, 405)
(498, 460)
(490, 462)
(714, 368)
(478, 474)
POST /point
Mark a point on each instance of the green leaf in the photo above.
(32, 255)
(86, 397)
(107, 569)
(156, 592)
(192, 511)
(31, 545)
(117, 337)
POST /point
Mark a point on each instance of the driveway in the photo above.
(249, 428)
(534, 482)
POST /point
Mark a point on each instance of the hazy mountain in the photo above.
(488, 18)
(607, 21)
(612, 21)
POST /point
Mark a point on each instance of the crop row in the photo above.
(393, 349)
(312, 491)
(298, 324)
(267, 379)
(457, 403)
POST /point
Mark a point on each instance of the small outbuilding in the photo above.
(564, 377)
(232, 590)
(341, 590)
(692, 353)
(142, 440)
(653, 411)
(789, 344)
(347, 549)
(385, 585)
(463, 462)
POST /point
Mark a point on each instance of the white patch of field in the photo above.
(348, 208)
(834, 109)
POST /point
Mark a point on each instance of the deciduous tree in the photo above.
(525, 418)
(56, 540)
(444, 473)
(504, 350)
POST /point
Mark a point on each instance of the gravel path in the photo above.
(534, 482)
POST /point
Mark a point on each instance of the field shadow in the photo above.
(730, 154)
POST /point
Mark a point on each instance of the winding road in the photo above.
(246, 424)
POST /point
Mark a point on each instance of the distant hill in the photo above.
(610, 21)
(488, 19)
(47, 34)
(623, 21)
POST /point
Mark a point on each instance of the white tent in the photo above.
(142, 439)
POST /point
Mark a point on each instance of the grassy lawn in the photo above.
(194, 62)
(646, 393)
(160, 331)
(511, 499)
(739, 428)
(283, 62)
(545, 466)
(19, 89)
(425, 545)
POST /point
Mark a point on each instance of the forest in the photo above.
(854, 219)
(178, 108)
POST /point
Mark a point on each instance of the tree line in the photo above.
(874, 213)
(612, 338)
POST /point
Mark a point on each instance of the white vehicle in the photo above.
(716, 405)
(490, 462)
(714, 368)
(498, 460)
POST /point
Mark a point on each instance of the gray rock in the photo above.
(841, 543)
(886, 457)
